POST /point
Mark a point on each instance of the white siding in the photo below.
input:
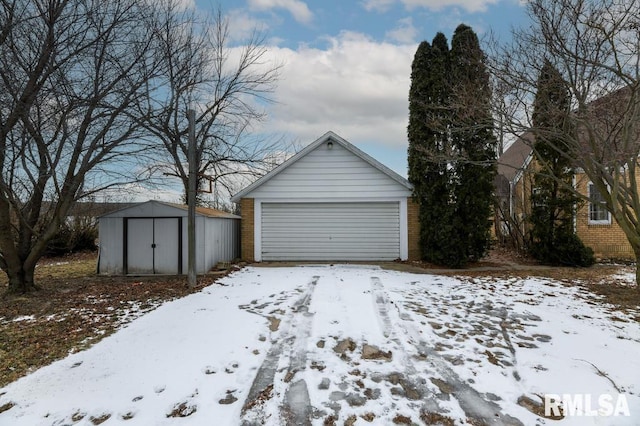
(217, 239)
(200, 245)
(111, 245)
(330, 231)
(330, 173)
(223, 241)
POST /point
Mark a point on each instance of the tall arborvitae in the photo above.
(452, 148)
(428, 146)
(474, 146)
(553, 239)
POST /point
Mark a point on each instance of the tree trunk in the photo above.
(21, 279)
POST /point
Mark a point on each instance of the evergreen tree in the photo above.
(553, 239)
(474, 145)
(452, 148)
(428, 144)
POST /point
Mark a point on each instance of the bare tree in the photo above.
(225, 85)
(595, 45)
(71, 75)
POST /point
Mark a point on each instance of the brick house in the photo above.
(593, 223)
(329, 202)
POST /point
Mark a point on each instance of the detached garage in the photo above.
(151, 238)
(329, 202)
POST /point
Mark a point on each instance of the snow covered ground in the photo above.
(355, 344)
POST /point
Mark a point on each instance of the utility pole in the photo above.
(191, 199)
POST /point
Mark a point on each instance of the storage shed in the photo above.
(329, 202)
(151, 238)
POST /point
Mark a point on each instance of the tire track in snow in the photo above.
(294, 331)
(414, 381)
(296, 408)
(474, 404)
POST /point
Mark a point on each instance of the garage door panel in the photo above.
(330, 231)
(338, 233)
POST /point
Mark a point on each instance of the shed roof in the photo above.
(206, 211)
(329, 136)
(200, 211)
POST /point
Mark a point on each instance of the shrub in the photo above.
(567, 250)
(73, 237)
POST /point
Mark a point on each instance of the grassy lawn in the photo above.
(75, 308)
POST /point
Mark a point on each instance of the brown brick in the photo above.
(607, 241)
(247, 229)
(413, 225)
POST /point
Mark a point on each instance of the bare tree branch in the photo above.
(225, 85)
(72, 73)
(595, 46)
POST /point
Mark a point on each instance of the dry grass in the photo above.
(73, 310)
(599, 280)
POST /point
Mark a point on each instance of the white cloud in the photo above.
(355, 86)
(242, 25)
(404, 33)
(298, 9)
(468, 5)
(377, 5)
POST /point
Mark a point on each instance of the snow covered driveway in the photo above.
(347, 345)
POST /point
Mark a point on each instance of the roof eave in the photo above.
(312, 146)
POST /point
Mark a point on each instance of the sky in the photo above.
(347, 64)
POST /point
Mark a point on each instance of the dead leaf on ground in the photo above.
(74, 309)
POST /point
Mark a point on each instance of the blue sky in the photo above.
(347, 64)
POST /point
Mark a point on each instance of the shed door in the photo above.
(166, 239)
(153, 245)
(330, 231)
(139, 242)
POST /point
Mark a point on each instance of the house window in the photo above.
(536, 198)
(598, 213)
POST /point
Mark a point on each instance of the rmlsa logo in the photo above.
(584, 404)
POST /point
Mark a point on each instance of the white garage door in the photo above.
(330, 231)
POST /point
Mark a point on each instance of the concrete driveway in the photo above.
(350, 345)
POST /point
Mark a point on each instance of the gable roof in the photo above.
(200, 211)
(603, 114)
(516, 158)
(329, 136)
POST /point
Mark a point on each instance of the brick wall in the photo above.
(413, 225)
(607, 241)
(247, 229)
